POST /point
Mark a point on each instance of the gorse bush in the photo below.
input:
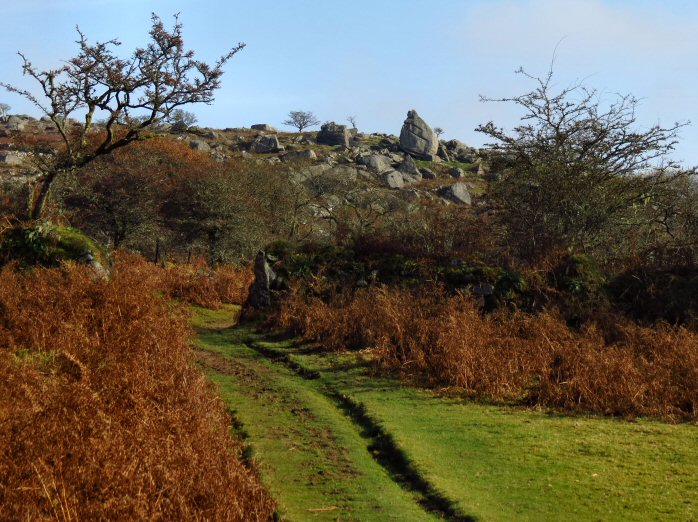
(103, 413)
(620, 369)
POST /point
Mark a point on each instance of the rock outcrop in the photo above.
(459, 151)
(417, 138)
(264, 127)
(334, 134)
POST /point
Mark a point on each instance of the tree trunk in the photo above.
(41, 196)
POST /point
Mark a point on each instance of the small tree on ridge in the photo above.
(301, 120)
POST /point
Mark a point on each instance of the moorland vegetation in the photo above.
(567, 281)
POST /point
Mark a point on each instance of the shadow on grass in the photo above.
(386, 452)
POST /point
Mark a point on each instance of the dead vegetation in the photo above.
(103, 413)
(624, 369)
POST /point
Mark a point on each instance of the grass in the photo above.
(310, 455)
(490, 462)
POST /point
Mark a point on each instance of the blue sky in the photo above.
(377, 59)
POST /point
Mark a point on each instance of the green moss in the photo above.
(48, 244)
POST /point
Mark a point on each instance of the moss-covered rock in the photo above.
(48, 244)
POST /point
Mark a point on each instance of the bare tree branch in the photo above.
(135, 92)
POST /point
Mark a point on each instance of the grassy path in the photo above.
(310, 454)
(310, 418)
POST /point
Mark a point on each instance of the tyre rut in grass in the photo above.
(381, 444)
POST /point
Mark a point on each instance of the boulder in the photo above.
(456, 172)
(299, 155)
(264, 127)
(376, 162)
(393, 179)
(417, 138)
(264, 144)
(199, 145)
(12, 159)
(16, 123)
(88, 258)
(458, 193)
(443, 153)
(426, 173)
(333, 134)
(409, 167)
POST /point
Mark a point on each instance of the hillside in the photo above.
(376, 160)
(252, 324)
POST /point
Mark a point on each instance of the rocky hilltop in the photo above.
(414, 166)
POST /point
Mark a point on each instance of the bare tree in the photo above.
(574, 166)
(352, 120)
(136, 93)
(4, 110)
(301, 120)
(438, 131)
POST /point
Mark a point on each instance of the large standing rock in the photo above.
(264, 276)
(417, 138)
(333, 134)
(264, 144)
